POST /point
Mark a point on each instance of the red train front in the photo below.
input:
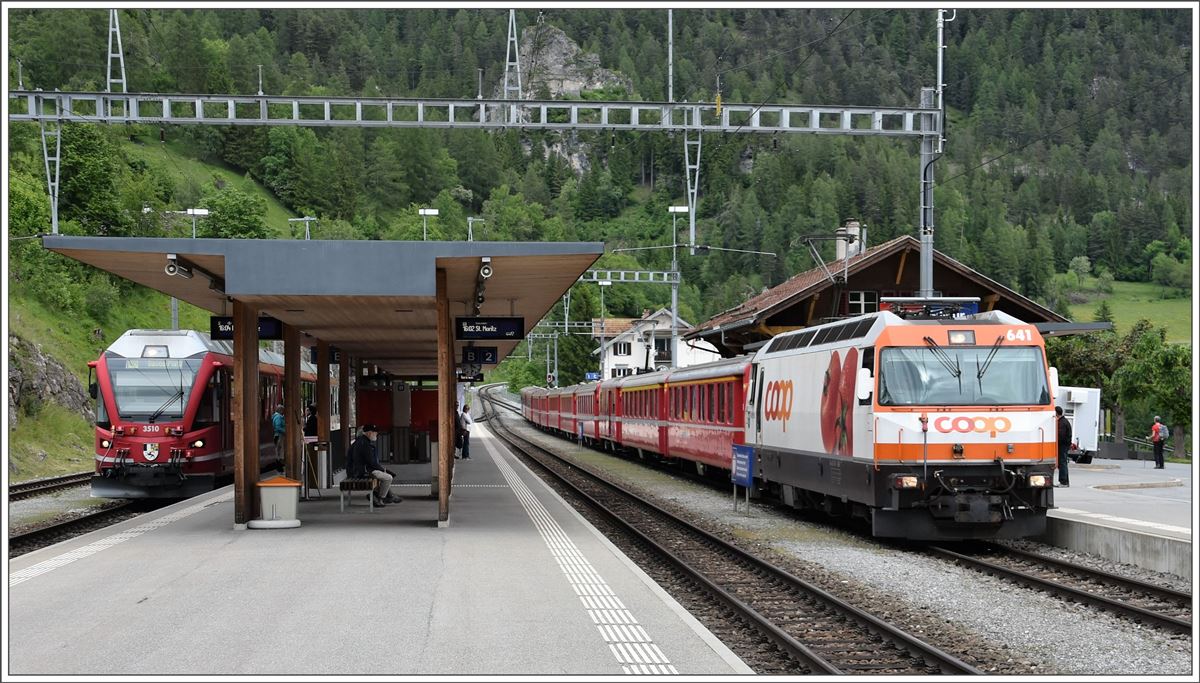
(162, 414)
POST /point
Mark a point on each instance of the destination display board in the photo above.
(466, 329)
(221, 327)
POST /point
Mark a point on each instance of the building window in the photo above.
(622, 349)
(863, 302)
(622, 372)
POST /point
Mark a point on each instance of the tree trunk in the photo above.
(1119, 420)
(1179, 434)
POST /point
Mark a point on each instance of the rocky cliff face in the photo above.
(553, 65)
(35, 379)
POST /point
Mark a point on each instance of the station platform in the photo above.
(1127, 511)
(518, 583)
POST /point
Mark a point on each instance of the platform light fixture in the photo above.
(424, 221)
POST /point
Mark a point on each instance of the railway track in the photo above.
(815, 630)
(1143, 602)
(40, 487)
(77, 526)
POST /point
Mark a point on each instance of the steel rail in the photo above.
(37, 487)
(944, 661)
(69, 526)
(1161, 592)
(1123, 608)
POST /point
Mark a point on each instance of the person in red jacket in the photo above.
(1159, 439)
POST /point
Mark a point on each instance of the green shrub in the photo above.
(99, 296)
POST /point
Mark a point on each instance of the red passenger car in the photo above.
(704, 411)
(641, 416)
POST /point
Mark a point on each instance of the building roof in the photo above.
(801, 285)
(612, 326)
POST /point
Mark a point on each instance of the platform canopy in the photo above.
(375, 300)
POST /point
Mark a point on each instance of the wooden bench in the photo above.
(348, 486)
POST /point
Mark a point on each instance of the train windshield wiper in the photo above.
(161, 409)
(988, 361)
(942, 356)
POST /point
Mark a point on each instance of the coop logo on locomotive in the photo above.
(777, 403)
(979, 425)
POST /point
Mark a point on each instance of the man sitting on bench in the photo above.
(364, 463)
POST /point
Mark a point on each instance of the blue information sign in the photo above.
(742, 473)
(591, 376)
(489, 328)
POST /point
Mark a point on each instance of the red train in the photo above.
(694, 413)
(925, 426)
(163, 409)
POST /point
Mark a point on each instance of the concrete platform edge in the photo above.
(685, 616)
(1148, 551)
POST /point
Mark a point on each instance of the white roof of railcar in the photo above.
(721, 368)
(187, 343)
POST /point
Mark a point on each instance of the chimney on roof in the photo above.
(841, 243)
(855, 243)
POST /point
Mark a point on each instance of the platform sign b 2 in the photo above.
(480, 355)
(742, 472)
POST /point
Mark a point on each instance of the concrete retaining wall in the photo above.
(1149, 551)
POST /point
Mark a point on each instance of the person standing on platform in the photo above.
(464, 430)
(310, 422)
(1064, 442)
(364, 462)
(1158, 436)
(280, 427)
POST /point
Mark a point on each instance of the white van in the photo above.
(1081, 406)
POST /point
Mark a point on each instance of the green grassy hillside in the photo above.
(191, 174)
(1130, 301)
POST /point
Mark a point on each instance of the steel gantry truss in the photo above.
(368, 112)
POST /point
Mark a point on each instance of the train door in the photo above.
(224, 390)
(612, 407)
(754, 404)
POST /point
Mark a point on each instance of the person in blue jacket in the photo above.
(280, 427)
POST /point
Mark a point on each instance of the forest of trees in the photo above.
(1069, 135)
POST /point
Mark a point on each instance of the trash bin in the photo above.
(278, 499)
(316, 466)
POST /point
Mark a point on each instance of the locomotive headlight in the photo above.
(198, 443)
(1039, 480)
(906, 481)
(105, 443)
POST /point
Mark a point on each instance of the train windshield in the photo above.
(962, 376)
(152, 388)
